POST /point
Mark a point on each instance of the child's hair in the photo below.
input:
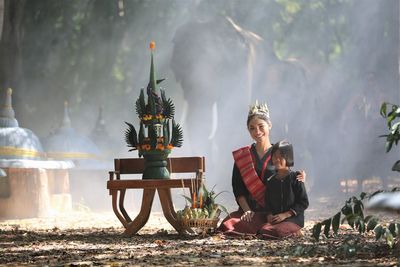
(286, 150)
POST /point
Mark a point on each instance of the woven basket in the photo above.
(200, 223)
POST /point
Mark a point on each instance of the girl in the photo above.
(285, 197)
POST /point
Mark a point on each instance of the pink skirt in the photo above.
(233, 226)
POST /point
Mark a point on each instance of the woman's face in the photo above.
(259, 129)
(279, 161)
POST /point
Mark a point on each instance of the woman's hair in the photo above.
(259, 111)
(286, 150)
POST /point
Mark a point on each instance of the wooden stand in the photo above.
(117, 189)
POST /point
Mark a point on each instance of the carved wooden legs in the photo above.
(144, 214)
(132, 227)
(121, 205)
(168, 207)
(114, 195)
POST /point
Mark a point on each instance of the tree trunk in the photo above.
(10, 44)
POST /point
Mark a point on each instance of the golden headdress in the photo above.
(260, 109)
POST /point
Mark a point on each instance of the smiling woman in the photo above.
(253, 165)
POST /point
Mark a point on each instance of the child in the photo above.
(285, 197)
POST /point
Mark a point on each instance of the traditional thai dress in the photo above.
(249, 174)
(281, 195)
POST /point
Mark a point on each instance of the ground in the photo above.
(84, 238)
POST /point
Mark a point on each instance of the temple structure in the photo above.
(91, 164)
(31, 185)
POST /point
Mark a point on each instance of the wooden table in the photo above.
(117, 189)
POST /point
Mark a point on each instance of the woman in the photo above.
(252, 167)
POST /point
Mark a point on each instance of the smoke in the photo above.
(323, 70)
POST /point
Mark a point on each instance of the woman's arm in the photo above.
(301, 176)
(247, 212)
(240, 190)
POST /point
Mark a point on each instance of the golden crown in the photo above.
(259, 109)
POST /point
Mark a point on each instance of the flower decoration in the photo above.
(158, 130)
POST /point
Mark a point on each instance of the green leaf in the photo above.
(388, 146)
(188, 198)
(376, 192)
(358, 208)
(395, 127)
(140, 104)
(168, 106)
(378, 232)
(131, 136)
(392, 229)
(389, 238)
(361, 226)
(383, 109)
(223, 208)
(177, 135)
(316, 231)
(351, 218)
(327, 226)
(372, 223)
(335, 223)
(369, 217)
(363, 195)
(347, 209)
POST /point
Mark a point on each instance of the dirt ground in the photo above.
(84, 238)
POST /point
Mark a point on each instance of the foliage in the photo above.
(392, 114)
(352, 212)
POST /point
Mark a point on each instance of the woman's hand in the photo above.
(269, 218)
(247, 216)
(301, 176)
(279, 217)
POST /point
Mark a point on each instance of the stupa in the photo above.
(31, 184)
(90, 163)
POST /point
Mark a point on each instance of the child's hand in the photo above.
(279, 217)
(301, 176)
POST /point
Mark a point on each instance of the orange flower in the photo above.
(147, 117)
(170, 146)
(146, 147)
(160, 147)
(194, 204)
(152, 45)
(201, 200)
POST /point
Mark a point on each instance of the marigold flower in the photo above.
(146, 147)
(160, 147)
(152, 45)
(169, 146)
